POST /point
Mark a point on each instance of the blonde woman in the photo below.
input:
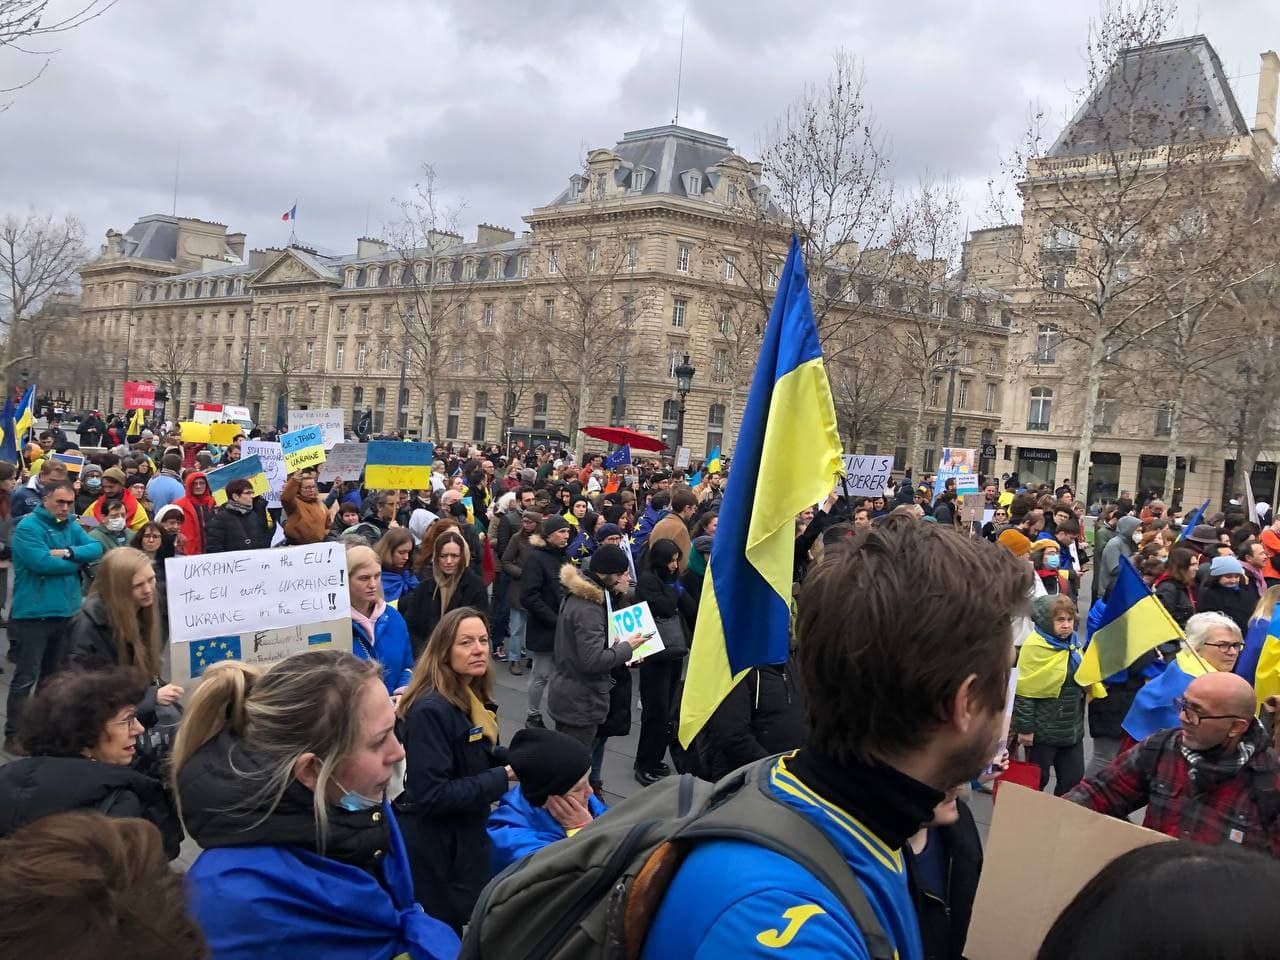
(454, 767)
(118, 625)
(377, 629)
(282, 777)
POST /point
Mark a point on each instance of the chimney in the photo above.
(487, 235)
(235, 243)
(369, 247)
(1264, 124)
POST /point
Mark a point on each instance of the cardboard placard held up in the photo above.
(1040, 853)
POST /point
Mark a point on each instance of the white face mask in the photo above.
(115, 524)
(1137, 537)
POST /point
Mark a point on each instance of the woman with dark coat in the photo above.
(659, 586)
(79, 733)
(454, 767)
(1175, 588)
(1225, 592)
(447, 582)
(240, 523)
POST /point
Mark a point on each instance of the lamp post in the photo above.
(684, 383)
(162, 398)
(951, 395)
(244, 375)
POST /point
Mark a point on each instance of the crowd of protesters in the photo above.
(361, 804)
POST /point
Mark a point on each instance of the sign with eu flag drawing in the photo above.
(395, 465)
(204, 653)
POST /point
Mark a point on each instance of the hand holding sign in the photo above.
(303, 448)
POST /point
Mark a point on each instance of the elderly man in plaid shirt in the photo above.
(1214, 779)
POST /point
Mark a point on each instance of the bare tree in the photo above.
(39, 257)
(26, 25)
(173, 356)
(434, 279)
(506, 359)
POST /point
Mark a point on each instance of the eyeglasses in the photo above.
(1195, 717)
(1235, 646)
(126, 721)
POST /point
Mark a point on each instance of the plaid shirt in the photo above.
(1238, 807)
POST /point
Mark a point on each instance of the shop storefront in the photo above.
(1104, 477)
(1151, 470)
(1263, 481)
(1037, 465)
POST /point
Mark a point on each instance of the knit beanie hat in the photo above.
(1015, 542)
(115, 473)
(1223, 566)
(548, 763)
(609, 558)
(554, 523)
(606, 530)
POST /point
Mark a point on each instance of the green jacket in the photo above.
(45, 586)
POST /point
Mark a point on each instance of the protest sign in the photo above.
(245, 591)
(223, 433)
(682, 458)
(1029, 830)
(332, 423)
(302, 448)
(73, 461)
(394, 465)
(637, 618)
(345, 460)
(246, 468)
(261, 648)
(138, 393)
(959, 464)
(272, 465)
(866, 475)
(193, 432)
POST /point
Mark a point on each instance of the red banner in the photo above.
(138, 393)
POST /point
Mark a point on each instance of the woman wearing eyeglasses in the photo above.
(80, 733)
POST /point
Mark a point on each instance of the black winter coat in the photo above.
(230, 530)
(1176, 599)
(452, 777)
(420, 607)
(944, 924)
(541, 595)
(1236, 604)
(761, 716)
(36, 787)
(91, 645)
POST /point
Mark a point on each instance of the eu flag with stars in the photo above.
(205, 653)
(619, 458)
(786, 458)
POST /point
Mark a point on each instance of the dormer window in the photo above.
(693, 183)
(374, 276)
(639, 177)
(577, 184)
(495, 269)
(733, 194)
(349, 280)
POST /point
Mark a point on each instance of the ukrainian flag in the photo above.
(1152, 709)
(8, 434)
(1132, 623)
(25, 414)
(713, 461)
(136, 423)
(1266, 679)
(786, 458)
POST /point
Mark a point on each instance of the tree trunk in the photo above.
(430, 408)
(726, 442)
(1171, 452)
(1092, 386)
(583, 405)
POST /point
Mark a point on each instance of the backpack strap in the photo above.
(743, 807)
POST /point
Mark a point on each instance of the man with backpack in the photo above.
(905, 667)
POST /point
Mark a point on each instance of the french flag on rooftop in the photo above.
(290, 214)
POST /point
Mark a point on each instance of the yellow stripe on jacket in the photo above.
(1042, 670)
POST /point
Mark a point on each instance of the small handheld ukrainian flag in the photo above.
(713, 461)
(8, 433)
(786, 458)
(1132, 623)
(25, 414)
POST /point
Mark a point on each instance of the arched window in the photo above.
(1040, 408)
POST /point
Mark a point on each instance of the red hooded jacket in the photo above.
(196, 511)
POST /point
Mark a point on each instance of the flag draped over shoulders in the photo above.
(787, 455)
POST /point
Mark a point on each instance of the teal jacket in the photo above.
(45, 586)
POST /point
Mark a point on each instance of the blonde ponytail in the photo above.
(218, 704)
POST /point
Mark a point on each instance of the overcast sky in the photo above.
(337, 104)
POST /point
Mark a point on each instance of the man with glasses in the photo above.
(49, 550)
(1214, 778)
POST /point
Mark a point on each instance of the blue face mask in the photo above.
(356, 802)
(1052, 561)
(93, 483)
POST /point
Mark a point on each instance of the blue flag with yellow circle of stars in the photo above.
(205, 653)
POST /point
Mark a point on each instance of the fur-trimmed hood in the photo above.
(580, 586)
(534, 540)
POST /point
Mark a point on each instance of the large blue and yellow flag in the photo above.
(8, 433)
(1152, 709)
(1132, 623)
(786, 458)
(1266, 678)
(25, 414)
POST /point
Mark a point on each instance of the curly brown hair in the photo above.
(70, 714)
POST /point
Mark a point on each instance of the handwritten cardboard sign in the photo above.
(191, 658)
(302, 448)
(637, 618)
(244, 591)
(332, 423)
(268, 453)
(866, 475)
(345, 460)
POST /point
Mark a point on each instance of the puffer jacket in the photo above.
(196, 511)
(232, 527)
(578, 693)
(1054, 721)
(540, 595)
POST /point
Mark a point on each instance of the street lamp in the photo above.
(684, 383)
(244, 375)
(951, 395)
(162, 398)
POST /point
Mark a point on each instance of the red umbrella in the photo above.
(621, 436)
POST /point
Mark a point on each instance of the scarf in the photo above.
(482, 717)
(1208, 767)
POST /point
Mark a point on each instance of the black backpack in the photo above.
(597, 894)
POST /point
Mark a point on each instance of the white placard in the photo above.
(272, 465)
(345, 460)
(866, 474)
(637, 618)
(219, 594)
(683, 456)
(331, 423)
(190, 658)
